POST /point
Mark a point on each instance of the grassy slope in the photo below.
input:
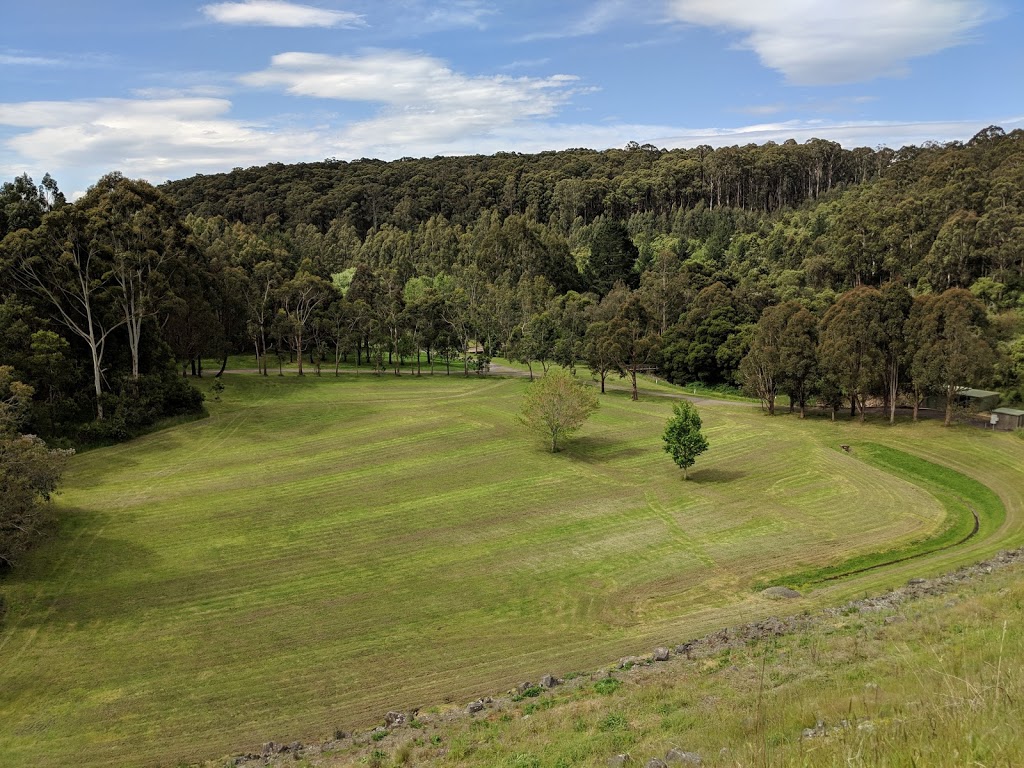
(937, 682)
(320, 551)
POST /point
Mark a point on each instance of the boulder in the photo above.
(524, 687)
(655, 762)
(548, 681)
(618, 761)
(474, 706)
(394, 719)
(661, 654)
(679, 757)
(628, 661)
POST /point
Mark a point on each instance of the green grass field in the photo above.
(322, 550)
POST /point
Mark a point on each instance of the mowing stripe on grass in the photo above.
(971, 508)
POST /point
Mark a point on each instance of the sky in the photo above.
(166, 90)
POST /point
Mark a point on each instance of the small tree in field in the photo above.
(683, 438)
(557, 405)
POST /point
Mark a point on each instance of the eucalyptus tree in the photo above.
(633, 338)
(894, 306)
(952, 346)
(851, 344)
(62, 266)
(300, 298)
(762, 368)
(138, 227)
(798, 353)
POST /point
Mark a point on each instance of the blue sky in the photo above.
(170, 89)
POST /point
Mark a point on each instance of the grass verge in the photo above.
(962, 498)
(933, 682)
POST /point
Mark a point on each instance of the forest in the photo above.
(841, 278)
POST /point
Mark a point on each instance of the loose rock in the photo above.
(655, 762)
(474, 706)
(548, 681)
(617, 761)
(679, 757)
(661, 654)
(394, 719)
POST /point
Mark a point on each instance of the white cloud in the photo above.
(601, 15)
(824, 42)
(525, 64)
(14, 60)
(416, 90)
(277, 13)
(461, 13)
(78, 141)
(161, 92)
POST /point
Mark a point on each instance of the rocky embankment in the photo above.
(427, 726)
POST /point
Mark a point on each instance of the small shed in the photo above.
(973, 400)
(1007, 419)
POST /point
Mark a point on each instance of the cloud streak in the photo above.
(277, 13)
(828, 42)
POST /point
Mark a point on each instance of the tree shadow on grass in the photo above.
(76, 571)
(600, 448)
(716, 475)
(100, 471)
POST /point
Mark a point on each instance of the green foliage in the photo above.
(683, 438)
(613, 721)
(557, 405)
(29, 472)
(529, 693)
(607, 686)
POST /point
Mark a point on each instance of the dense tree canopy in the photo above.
(796, 269)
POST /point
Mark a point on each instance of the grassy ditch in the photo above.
(971, 510)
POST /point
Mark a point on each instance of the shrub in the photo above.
(607, 686)
(532, 692)
(613, 721)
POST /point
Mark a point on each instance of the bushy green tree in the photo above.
(683, 438)
(557, 405)
(29, 471)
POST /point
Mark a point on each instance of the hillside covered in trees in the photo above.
(861, 275)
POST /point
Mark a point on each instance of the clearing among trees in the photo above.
(321, 551)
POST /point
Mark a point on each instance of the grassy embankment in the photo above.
(936, 682)
(319, 551)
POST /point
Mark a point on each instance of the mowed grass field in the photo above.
(319, 551)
